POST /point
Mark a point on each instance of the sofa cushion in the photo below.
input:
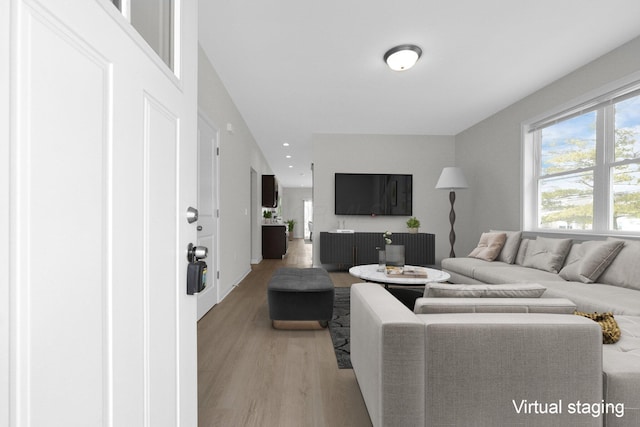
(481, 362)
(596, 297)
(493, 305)
(489, 246)
(621, 367)
(517, 290)
(547, 254)
(513, 274)
(587, 261)
(467, 266)
(624, 270)
(511, 245)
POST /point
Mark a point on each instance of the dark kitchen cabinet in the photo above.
(269, 191)
(274, 241)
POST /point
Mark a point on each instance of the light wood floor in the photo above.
(250, 374)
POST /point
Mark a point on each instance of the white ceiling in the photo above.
(298, 67)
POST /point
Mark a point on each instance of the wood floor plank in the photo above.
(250, 374)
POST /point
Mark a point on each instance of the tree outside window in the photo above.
(577, 152)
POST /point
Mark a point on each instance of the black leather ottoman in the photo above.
(300, 294)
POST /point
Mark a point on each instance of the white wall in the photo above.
(422, 156)
(490, 151)
(293, 207)
(239, 154)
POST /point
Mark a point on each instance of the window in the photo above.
(584, 167)
(154, 21)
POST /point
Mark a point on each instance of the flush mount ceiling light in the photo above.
(403, 57)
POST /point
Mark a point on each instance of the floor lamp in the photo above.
(452, 179)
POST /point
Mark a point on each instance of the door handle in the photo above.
(199, 228)
(195, 253)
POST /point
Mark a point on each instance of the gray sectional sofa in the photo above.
(606, 283)
(526, 361)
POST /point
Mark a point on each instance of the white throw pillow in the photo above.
(510, 248)
(587, 261)
(624, 271)
(547, 254)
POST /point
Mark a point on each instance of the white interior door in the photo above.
(208, 217)
(101, 169)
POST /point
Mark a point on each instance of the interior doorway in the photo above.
(208, 202)
(308, 219)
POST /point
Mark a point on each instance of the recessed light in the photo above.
(288, 156)
(290, 166)
(285, 144)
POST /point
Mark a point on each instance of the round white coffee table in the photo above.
(370, 273)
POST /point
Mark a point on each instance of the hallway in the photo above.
(250, 374)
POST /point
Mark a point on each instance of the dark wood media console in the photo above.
(348, 249)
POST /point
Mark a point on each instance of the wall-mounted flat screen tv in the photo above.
(373, 194)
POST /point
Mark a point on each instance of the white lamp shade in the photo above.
(452, 178)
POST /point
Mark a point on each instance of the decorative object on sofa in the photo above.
(291, 223)
(413, 224)
(511, 246)
(452, 178)
(547, 254)
(489, 246)
(610, 329)
(624, 270)
(403, 57)
(587, 261)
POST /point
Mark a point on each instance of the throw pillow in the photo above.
(610, 329)
(522, 251)
(489, 246)
(624, 271)
(547, 254)
(510, 248)
(587, 261)
(518, 290)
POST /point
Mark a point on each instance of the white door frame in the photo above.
(6, 241)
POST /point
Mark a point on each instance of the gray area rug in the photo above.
(339, 328)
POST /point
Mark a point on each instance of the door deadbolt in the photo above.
(192, 215)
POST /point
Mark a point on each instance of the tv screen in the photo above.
(373, 194)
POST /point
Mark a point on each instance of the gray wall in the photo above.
(422, 156)
(490, 151)
(239, 154)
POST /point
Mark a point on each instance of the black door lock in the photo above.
(197, 269)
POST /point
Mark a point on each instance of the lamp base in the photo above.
(452, 220)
